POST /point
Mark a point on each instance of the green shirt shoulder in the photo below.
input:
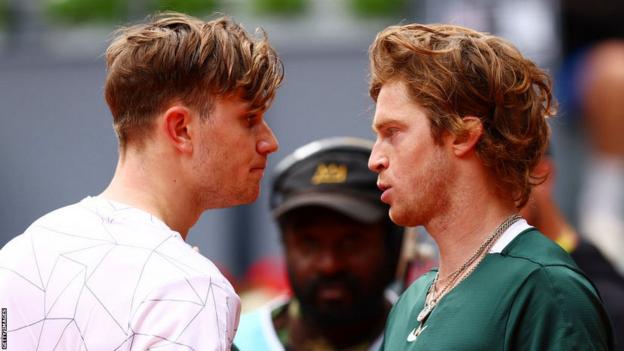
(530, 296)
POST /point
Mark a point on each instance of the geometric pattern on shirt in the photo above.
(85, 261)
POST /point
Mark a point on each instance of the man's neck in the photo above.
(463, 228)
(155, 190)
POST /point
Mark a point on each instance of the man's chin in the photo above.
(403, 218)
(253, 194)
(398, 217)
(245, 198)
(235, 201)
(334, 313)
(334, 317)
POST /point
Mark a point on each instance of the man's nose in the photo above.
(377, 162)
(268, 142)
(329, 262)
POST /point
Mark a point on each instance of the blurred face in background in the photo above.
(336, 265)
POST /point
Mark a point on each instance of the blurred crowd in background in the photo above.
(51, 68)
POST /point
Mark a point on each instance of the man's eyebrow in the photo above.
(384, 123)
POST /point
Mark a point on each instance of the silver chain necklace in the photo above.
(431, 300)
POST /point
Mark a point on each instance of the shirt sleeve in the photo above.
(558, 309)
(190, 314)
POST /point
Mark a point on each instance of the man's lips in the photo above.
(332, 292)
(259, 167)
(386, 192)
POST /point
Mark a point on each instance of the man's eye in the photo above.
(307, 244)
(391, 131)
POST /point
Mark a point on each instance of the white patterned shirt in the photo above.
(100, 275)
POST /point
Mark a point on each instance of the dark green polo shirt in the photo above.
(530, 296)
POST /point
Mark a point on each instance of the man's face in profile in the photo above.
(234, 144)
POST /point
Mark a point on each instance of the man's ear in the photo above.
(468, 138)
(177, 126)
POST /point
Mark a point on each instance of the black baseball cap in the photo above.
(331, 173)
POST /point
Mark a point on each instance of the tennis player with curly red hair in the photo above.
(461, 121)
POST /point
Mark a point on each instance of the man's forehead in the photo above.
(384, 118)
(236, 96)
(392, 96)
(236, 103)
(240, 96)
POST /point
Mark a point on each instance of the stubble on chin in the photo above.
(429, 196)
(225, 199)
(251, 195)
(399, 216)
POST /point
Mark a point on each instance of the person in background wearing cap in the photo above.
(113, 272)
(341, 253)
(461, 123)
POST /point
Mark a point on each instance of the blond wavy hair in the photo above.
(175, 56)
(454, 72)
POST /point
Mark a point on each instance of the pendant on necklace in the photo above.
(411, 337)
(422, 316)
(424, 313)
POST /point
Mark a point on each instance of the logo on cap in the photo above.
(329, 173)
